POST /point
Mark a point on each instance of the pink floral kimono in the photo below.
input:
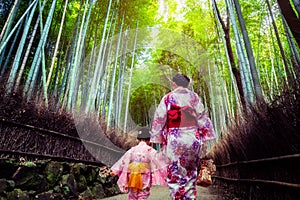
(181, 125)
(138, 169)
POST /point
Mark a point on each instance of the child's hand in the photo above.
(112, 173)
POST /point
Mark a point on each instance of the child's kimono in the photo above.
(138, 169)
(181, 125)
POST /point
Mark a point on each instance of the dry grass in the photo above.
(267, 130)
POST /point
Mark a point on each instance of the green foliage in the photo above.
(149, 84)
(200, 24)
(142, 100)
(29, 164)
(142, 11)
(194, 19)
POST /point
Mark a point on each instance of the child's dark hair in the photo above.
(144, 139)
(143, 133)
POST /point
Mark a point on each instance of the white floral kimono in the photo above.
(181, 125)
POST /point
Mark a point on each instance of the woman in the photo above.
(181, 125)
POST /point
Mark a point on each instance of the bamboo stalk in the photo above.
(3, 43)
(21, 46)
(57, 44)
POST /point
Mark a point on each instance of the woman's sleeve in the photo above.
(158, 168)
(205, 126)
(158, 123)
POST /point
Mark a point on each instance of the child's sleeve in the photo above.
(121, 168)
(121, 164)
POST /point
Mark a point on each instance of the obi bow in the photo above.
(178, 116)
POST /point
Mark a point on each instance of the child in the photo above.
(140, 168)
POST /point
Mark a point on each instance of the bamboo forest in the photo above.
(97, 70)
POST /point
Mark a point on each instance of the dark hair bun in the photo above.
(181, 80)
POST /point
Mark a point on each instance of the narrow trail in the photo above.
(162, 193)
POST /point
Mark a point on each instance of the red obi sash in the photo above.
(181, 117)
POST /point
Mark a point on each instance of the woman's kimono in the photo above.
(138, 169)
(181, 125)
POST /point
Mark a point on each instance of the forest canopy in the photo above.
(116, 58)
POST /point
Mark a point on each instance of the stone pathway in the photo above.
(162, 193)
